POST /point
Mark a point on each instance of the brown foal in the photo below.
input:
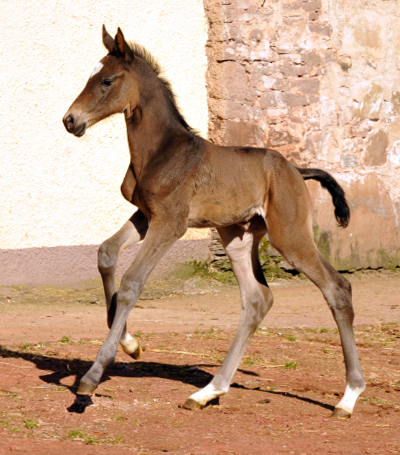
(179, 180)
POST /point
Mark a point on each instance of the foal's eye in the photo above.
(106, 83)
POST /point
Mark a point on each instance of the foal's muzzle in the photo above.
(73, 125)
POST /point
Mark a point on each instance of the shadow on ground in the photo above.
(192, 374)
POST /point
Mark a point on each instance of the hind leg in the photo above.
(241, 246)
(301, 252)
(131, 232)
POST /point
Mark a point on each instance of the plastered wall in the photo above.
(57, 190)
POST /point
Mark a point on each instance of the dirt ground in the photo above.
(280, 401)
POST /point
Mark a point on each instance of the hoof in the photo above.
(191, 404)
(340, 414)
(137, 353)
(131, 347)
(80, 404)
(85, 389)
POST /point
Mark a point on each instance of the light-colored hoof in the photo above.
(131, 347)
(340, 414)
(137, 353)
(192, 405)
(86, 389)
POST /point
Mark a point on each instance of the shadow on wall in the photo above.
(73, 265)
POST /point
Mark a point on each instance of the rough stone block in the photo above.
(294, 100)
(376, 149)
(307, 86)
(311, 58)
(239, 111)
(395, 103)
(295, 70)
(322, 29)
(269, 99)
(236, 82)
(312, 6)
(244, 133)
(312, 142)
(370, 105)
(278, 138)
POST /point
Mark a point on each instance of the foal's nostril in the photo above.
(69, 122)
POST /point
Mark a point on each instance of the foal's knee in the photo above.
(106, 257)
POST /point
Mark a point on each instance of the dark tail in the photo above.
(342, 210)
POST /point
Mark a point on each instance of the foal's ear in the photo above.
(108, 40)
(122, 47)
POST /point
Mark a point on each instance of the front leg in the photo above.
(160, 237)
(131, 232)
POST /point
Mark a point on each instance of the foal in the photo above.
(179, 180)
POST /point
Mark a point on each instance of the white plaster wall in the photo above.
(56, 189)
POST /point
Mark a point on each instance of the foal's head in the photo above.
(112, 88)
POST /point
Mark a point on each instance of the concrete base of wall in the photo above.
(72, 265)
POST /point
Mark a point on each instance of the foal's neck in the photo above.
(155, 126)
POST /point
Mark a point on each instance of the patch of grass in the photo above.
(119, 439)
(30, 424)
(65, 339)
(323, 330)
(91, 440)
(76, 434)
(94, 440)
(325, 350)
(211, 333)
(220, 272)
(378, 402)
(291, 338)
(291, 364)
(80, 435)
(25, 345)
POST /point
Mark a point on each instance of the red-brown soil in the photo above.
(280, 400)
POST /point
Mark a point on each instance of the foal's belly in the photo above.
(213, 215)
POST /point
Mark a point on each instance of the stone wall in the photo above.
(318, 81)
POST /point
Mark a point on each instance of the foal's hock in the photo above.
(178, 180)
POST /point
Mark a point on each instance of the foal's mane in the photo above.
(143, 53)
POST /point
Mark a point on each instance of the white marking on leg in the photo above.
(128, 343)
(349, 399)
(207, 394)
(97, 68)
